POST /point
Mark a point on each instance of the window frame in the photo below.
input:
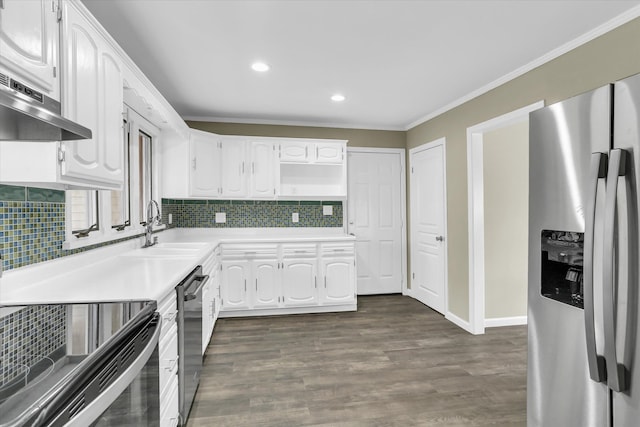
(134, 124)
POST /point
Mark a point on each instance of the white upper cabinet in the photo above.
(301, 151)
(29, 34)
(204, 171)
(233, 167)
(296, 151)
(263, 170)
(329, 153)
(93, 97)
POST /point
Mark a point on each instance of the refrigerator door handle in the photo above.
(615, 371)
(598, 170)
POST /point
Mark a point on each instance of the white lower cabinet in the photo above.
(280, 278)
(168, 361)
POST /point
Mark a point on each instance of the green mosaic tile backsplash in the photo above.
(250, 213)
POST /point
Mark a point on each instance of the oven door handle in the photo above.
(189, 296)
(57, 405)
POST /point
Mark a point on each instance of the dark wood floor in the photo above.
(394, 362)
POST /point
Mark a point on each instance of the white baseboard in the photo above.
(505, 321)
(458, 322)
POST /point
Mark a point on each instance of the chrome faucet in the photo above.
(151, 220)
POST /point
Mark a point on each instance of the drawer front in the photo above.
(338, 249)
(169, 407)
(249, 251)
(297, 250)
(168, 309)
(168, 358)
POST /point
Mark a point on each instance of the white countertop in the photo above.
(116, 273)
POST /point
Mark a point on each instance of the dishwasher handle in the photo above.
(201, 280)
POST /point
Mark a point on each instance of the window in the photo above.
(99, 216)
(85, 213)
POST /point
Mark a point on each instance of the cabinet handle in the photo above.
(253, 168)
(315, 281)
(256, 284)
(243, 168)
(325, 282)
(194, 163)
(245, 285)
(316, 151)
(306, 151)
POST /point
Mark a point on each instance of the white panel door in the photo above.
(428, 226)
(375, 217)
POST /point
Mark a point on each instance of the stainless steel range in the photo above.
(79, 364)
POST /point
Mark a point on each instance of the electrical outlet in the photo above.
(295, 217)
(221, 217)
(327, 210)
(170, 219)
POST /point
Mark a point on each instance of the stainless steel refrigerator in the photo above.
(584, 351)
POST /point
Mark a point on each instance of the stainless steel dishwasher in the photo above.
(189, 338)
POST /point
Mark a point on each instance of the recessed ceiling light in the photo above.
(338, 97)
(260, 67)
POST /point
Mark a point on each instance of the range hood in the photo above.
(28, 115)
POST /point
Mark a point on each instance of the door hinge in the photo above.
(55, 71)
(59, 13)
(413, 275)
(1, 4)
(61, 154)
(412, 169)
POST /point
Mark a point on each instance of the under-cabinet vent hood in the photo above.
(29, 115)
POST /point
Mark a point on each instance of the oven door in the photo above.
(115, 385)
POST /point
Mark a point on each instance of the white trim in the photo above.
(403, 189)
(359, 126)
(438, 142)
(505, 321)
(288, 310)
(475, 203)
(555, 53)
(458, 321)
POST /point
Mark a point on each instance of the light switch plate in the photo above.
(327, 210)
(221, 217)
(295, 217)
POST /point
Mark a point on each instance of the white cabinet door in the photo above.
(93, 97)
(235, 275)
(263, 170)
(266, 281)
(29, 34)
(329, 153)
(206, 315)
(233, 168)
(299, 282)
(204, 170)
(296, 151)
(338, 281)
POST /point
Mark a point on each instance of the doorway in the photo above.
(485, 213)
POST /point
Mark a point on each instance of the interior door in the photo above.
(375, 216)
(428, 246)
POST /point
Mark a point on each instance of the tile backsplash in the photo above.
(250, 213)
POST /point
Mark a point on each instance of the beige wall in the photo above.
(356, 137)
(609, 57)
(506, 225)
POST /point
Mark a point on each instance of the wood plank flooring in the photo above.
(394, 362)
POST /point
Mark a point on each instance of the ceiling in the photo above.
(396, 62)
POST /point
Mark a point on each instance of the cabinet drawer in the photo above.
(296, 250)
(169, 408)
(168, 310)
(338, 249)
(168, 358)
(249, 251)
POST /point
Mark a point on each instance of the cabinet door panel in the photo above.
(329, 153)
(338, 281)
(111, 117)
(299, 282)
(292, 151)
(235, 275)
(205, 166)
(29, 34)
(266, 282)
(233, 167)
(263, 169)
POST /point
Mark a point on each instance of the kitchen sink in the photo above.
(168, 250)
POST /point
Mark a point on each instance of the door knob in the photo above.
(440, 238)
